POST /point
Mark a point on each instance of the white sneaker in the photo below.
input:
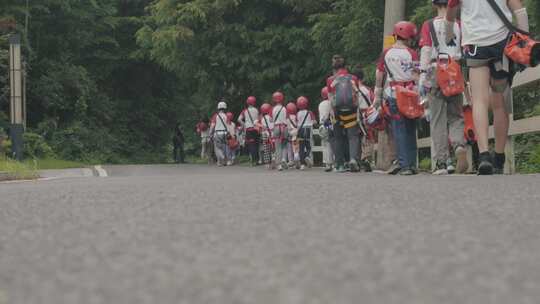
(302, 167)
(280, 168)
(229, 163)
(309, 163)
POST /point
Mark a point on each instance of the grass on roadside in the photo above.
(17, 170)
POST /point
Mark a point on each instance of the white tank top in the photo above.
(481, 25)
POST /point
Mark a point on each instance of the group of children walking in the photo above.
(411, 83)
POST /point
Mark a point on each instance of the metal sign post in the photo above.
(16, 96)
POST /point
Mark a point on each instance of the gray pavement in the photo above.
(196, 234)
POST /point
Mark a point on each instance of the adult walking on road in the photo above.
(219, 131)
(178, 144)
(485, 36)
(342, 89)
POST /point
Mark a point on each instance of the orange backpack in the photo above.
(408, 102)
(449, 76)
(520, 47)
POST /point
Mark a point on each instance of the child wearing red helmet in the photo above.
(280, 136)
(305, 119)
(293, 147)
(446, 119)
(266, 126)
(399, 64)
(247, 120)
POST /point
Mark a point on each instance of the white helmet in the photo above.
(222, 105)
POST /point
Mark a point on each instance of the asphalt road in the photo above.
(196, 234)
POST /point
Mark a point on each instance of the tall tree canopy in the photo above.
(108, 79)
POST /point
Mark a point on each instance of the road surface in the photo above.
(197, 234)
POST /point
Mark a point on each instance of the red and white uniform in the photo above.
(401, 63)
(306, 115)
(440, 29)
(248, 117)
(481, 25)
(219, 125)
(279, 114)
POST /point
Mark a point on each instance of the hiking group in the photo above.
(414, 81)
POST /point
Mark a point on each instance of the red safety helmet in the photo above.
(324, 93)
(302, 102)
(266, 108)
(278, 97)
(291, 108)
(405, 30)
(230, 116)
(251, 101)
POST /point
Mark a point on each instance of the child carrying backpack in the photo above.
(305, 119)
(293, 147)
(398, 63)
(443, 93)
(279, 114)
(266, 127)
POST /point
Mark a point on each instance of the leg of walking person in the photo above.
(411, 146)
(353, 140)
(340, 139)
(439, 132)
(480, 87)
(456, 126)
(501, 123)
(182, 155)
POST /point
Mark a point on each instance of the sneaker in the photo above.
(498, 163)
(290, 165)
(309, 162)
(365, 166)
(328, 168)
(302, 167)
(280, 168)
(229, 163)
(340, 169)
(441, 168)
(462, 163)
(394, 169)
(407, 172)
(486, 164)
(353, 165)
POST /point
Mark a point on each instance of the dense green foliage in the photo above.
(108, 79)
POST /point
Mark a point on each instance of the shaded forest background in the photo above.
(108, 79)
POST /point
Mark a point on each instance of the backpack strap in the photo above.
(368, 101)
(249, 115)
(304, 121)
(279, 112)
(292, 122)
(505, 20)
(433, 34)
(224, 124)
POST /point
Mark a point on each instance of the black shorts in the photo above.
(491, 56)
